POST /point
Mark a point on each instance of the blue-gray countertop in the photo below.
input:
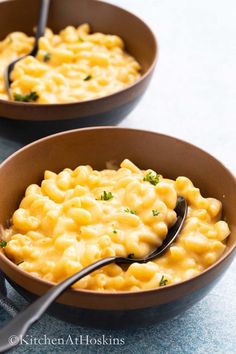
(192, 96)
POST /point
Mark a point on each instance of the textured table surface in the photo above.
(192, 96)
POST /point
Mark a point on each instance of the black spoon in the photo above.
(12, 333)
(42, 22)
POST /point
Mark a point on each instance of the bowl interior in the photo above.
(96, 146)
(103, 17)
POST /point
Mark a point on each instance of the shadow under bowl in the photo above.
(95, 146)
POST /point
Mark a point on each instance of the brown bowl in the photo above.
(169, 156)
(103, 17)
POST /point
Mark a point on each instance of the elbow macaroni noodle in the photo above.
(70, 67)
(78, 216)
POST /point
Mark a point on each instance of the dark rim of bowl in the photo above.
(127, 88)
(225, 255)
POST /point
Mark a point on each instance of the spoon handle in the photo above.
(13, 332)
(42, 22)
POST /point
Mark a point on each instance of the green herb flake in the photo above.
(31, 97)
(163, 281)
(114, 231)
(152, 177)
(80, 39)
(155, 212)
(3, 243)
(127, 210)
(47, 57)
(106, 196)
(88, 77)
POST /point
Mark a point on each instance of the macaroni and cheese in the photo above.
(71, 66)
(77, 217)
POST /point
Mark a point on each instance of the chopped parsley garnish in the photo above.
(80, 39)
(131, 255)
(152, 177)
(3, 243)
(155, 212)
(106, 196)
(88, 77)
(127, 210)
(47, 57)
(163, 281)
(114, 231)
(32, 96)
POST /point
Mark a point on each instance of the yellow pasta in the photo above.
(79, 216)
(74, 65)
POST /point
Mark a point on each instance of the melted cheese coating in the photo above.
(74, 65)
(77, 217)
